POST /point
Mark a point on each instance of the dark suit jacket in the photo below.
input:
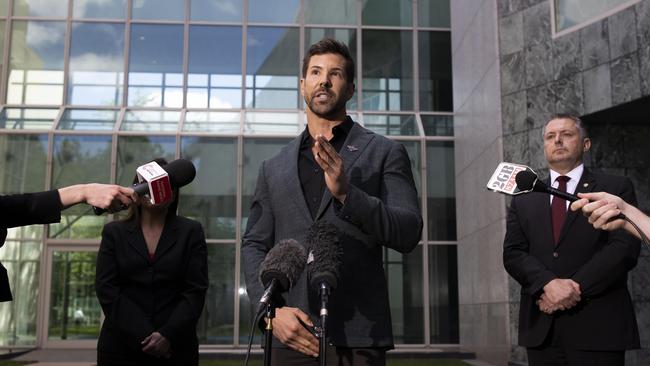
(139, 296)
(597, 260)
(381, 210)
(25, 209)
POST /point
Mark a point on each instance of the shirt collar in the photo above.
(574, 174)
(342, 129)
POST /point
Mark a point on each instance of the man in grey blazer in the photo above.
(361, 182)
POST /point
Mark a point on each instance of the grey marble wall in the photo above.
(604, 64)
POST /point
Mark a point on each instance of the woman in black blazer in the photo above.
(151, 283)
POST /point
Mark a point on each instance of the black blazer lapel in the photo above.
(354, 144)
(586, 184)
(167, 237)
(292, 189)
(135, 238)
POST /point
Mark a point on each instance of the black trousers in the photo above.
(555, 352)
(336, 356)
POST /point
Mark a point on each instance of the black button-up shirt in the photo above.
(312, 178)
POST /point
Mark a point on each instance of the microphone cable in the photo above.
(252, 334)
(644, 238)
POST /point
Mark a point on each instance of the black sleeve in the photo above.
(30, 209)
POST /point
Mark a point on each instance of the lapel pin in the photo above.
(352, 148)
(585, 185)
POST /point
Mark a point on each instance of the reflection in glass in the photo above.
(435, 71)
(158, 9)
(40, 8)
(277, 11)
(88, 120)
(387, 70)
(347, 36)
(387, 12)
(156, 65)
(214, 79)
(441, 196)
(391, 125)
(36, 62)
(79, 158)
(272, 68)
(443, 293)
(27, 118)
(256, 151)
(159, 121)
(404, 278)
(96, 64)
(331, 12)
(215, 325)
(216, 10)
(18, 318)
(133, 151)
(23, 163)
(572, 12)
(279, 123)
(434, 13)
(74, 310)
(437, 125)
(210, 198)
(214, 122)
(114, 9)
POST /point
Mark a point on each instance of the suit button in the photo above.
(555, 255)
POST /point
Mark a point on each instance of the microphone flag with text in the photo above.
(157, 181)
(280, 269)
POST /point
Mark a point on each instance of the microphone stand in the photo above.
(268, 341)
(324, 291)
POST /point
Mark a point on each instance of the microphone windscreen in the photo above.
(525, 180)
(285, 263)
(325, 254)
(181, 172)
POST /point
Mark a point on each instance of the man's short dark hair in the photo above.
(329, 45)
(579, 124)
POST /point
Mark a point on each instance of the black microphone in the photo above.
(527, 181)
(281, 268)
(181, 173)
(325, 255)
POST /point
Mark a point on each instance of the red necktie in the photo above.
(558, 208)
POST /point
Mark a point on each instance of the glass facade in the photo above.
(92, 89)
(571, 14)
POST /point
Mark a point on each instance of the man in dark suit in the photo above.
(46, 207)
(575, 307)
(362, 183)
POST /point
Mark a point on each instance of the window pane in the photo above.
(387, 70)
(36, 66)
(572, 12)
(256, 151)
(272, 68)
(210, 198)
(387, 12)
(24, 163)
(434, 13)
(436, 125)
(2, 39)
(276, 11)
(74, 310)
(435, 71)
(88, 120)
(278, 123)
(441, 205)
(395, 125)
(18, 318)
(156, 65)
(347, 36)
(215, 326)
(214, 79)
(443, 293)
(158, 121)
(96, 64)
(40, 8)
(77, 159)
(404, 278)
(114, 9)
(216, 10)
(331, 12)
(158, 9)
(133, 151)
(27, 118)
(3, 8)
(215, 122)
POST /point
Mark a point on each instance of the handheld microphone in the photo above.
(281, 268)
(503, 178)
(180, 172)
(527, 181)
